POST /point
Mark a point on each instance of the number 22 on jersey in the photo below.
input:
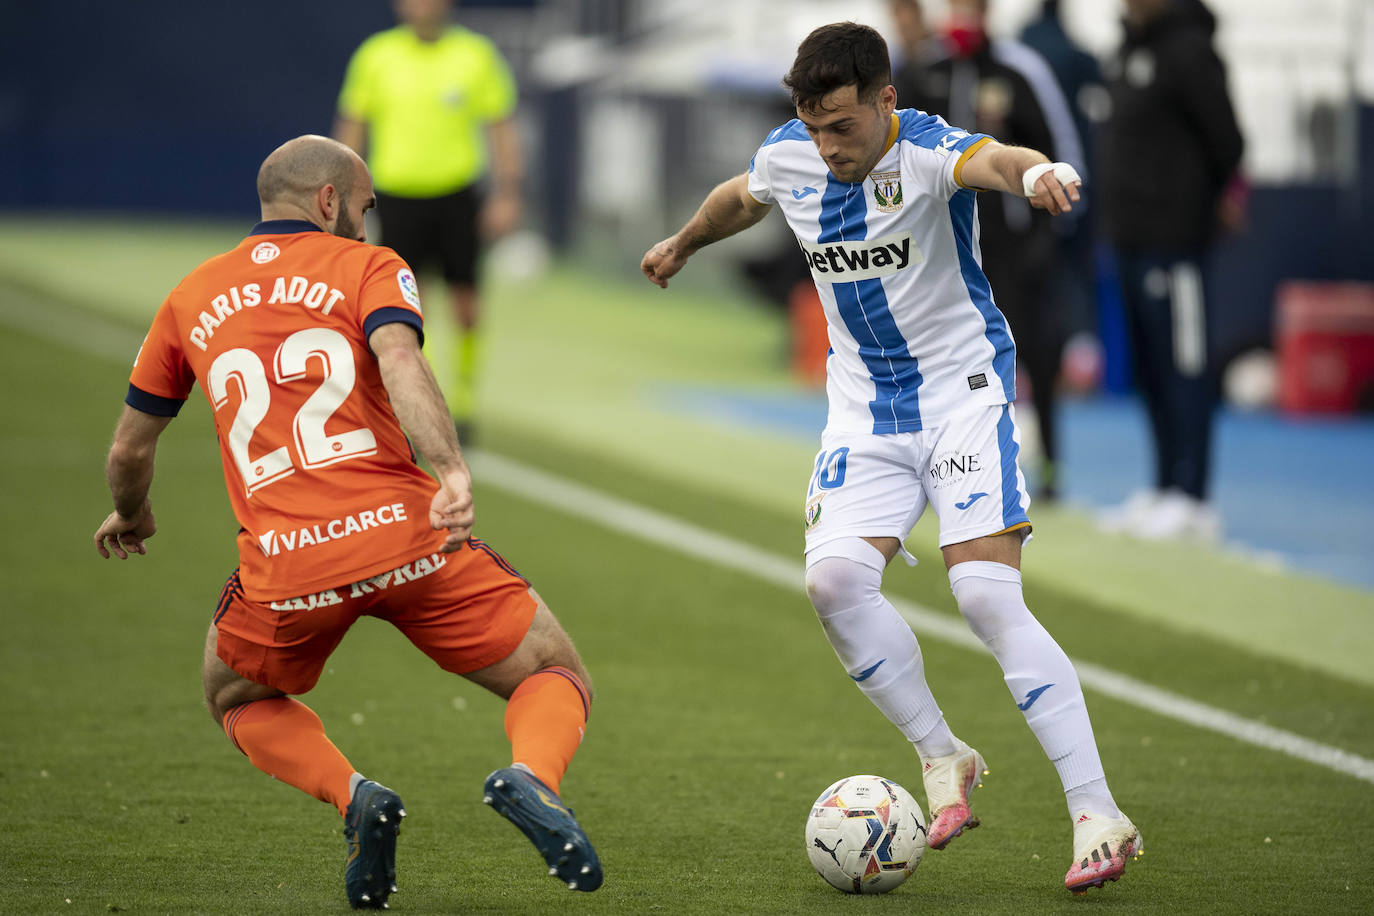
(314, 448)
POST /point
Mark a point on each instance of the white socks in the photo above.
(1041, 678)
(879, 651)
(875, 645)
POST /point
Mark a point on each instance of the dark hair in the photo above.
(838, 55)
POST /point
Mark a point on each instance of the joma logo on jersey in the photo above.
(274, 542)
(845, 262)
(948, 140)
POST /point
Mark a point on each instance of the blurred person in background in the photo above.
(431, 104)
(307, 343)
(1003, 88)
(919, 384)
(1074, 284)
(916, 42)
(1168, 151)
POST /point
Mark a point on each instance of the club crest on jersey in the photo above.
(264, 252)
(813, 512)
(887, 191)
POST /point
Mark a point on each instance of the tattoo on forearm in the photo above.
(708, 232)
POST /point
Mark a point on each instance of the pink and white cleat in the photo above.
(1101, 846)
(949, 780)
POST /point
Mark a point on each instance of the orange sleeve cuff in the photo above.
(964, 157)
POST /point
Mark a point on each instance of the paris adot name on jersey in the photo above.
(866, 259)
(311, 294)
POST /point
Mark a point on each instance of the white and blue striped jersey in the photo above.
(914, 334)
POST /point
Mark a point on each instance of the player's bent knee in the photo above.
(832, 584)
(224, 687)
(224, 693)
(989, 598)
(545, 645)
(843, 573)
(836, 583)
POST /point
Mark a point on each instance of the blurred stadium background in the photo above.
(129, 134)
(631, 110)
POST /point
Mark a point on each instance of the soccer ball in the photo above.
(865, 835)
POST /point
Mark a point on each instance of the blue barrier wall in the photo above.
(162, 105)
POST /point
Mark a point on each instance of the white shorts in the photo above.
(866, 485)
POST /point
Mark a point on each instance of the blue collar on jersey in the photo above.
(284, 227)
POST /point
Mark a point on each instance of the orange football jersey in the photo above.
(321, 478)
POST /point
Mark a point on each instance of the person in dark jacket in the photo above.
(1003, 88)
(1079, 75)
(1167, 152)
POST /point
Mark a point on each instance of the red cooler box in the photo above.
(1325, 342)
(810, 337)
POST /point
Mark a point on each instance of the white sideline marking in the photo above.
(684, 537)
(69, 327)
(81, 330)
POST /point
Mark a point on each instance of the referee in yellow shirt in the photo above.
(430, 105)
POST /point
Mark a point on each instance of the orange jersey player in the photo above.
(306, 342)
(318, 471)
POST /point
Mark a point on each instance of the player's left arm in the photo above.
(994, 166)
(129, 473)
(728, 209)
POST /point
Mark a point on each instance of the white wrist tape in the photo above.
(1063, 172)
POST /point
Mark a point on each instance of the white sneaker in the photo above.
(1175, 516)
(1123, 518)
(1101, 846)
(949, 780)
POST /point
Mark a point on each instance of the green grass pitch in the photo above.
(720, 710)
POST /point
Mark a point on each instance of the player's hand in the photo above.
(452, 508)
(122, 536)
(662, 261)
(1052, 186)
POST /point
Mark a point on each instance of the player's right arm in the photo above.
(728, 209)
(129, 472)
(419, 405)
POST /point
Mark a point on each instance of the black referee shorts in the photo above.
(439, 231)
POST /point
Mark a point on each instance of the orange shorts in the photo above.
(466, 610)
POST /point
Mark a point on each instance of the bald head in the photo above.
(294, 171)
(317, 179)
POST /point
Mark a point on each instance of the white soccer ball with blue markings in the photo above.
(865, 835)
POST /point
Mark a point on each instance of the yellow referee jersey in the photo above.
(425, 105)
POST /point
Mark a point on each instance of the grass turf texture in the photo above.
(721, 713)
(592, 362)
